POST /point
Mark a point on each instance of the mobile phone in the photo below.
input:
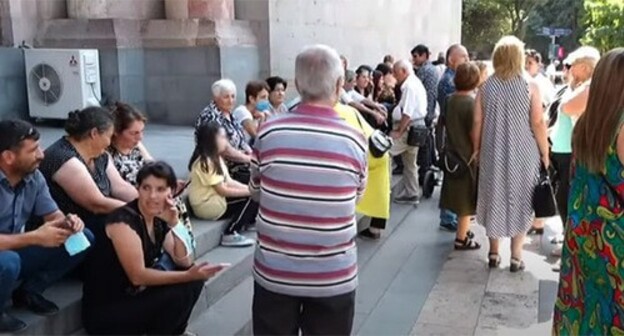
(179, 192)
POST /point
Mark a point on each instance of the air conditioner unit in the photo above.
(61, 80)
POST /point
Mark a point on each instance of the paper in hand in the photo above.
(76, 243)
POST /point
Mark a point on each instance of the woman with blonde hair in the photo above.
(509, 138)
(590, 294)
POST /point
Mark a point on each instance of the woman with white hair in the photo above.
(509, 137)
(237, 153)
(573, 103)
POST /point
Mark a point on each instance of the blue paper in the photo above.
(76, 243)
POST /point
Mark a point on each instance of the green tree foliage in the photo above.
(486, 21)
(605, 24)
(518, 13)
(482, 25)
(559, 14)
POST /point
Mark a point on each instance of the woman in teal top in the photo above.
(582, 63)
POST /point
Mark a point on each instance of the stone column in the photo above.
(116, 9)
(200, 9)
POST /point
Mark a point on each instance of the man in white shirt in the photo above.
(410, 111)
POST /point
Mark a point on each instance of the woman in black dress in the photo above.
(81, 175)
(141, 278)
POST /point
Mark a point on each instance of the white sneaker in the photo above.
(236, 240)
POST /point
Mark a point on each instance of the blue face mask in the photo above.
(263, 105)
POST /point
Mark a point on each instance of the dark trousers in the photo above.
(38, 267)
(563, 163)
(159, 310)
(378, 223)
(277, 314)
(242, 211)
(426, 158)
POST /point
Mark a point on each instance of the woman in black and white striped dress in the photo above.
(509, 137)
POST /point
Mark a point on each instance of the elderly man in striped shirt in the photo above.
(308, 171)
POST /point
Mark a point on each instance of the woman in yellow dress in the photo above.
(376, 200)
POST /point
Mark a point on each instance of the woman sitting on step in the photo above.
(129, 154)
(213, 194)
(141, 277)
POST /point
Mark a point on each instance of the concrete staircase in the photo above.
(228, 293)
(234, 281)
(67, 294)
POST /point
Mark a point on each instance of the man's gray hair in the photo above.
(222, 87)
(404, 65)
(317, 71)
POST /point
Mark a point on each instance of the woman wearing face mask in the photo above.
(255, 110)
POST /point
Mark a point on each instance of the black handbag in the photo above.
(240, 172)
(378, 142)
(544, 203)
(417, 136)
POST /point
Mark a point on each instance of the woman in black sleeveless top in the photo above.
(79, 172)
(141, 277)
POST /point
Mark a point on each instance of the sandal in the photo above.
(516, 265)
(466, 244)
(470, 234)
(494, 260)
(535, 231)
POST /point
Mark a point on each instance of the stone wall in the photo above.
(13, 96)
(21, 19)
(166, 66)
(362, 30)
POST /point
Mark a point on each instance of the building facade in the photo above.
(163, 55)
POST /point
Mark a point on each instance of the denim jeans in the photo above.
(448, 217)
(37, 267)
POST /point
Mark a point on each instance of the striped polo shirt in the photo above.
(308, 171)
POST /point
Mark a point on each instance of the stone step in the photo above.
(67, 293)
(228, 316)
(231, 315)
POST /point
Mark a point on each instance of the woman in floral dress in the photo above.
(591, 288)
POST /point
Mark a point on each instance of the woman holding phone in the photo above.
(129, 154)
(141, 277)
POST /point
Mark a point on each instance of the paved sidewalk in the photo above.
(470, 299)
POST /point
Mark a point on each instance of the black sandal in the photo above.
(466, 244)
(494, 260)
(536, 231)
(516, 265)
(470, 234)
